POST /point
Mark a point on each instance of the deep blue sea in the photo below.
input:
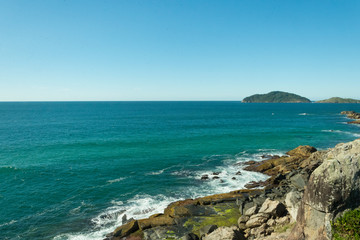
(71, 170)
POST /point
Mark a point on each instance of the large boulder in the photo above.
(333, 187)
(273, 208)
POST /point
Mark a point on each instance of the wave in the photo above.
(303, 114)
(143, 206)
(8, 168)
(140, 206)
(161, 171)
(116, 180)
(342, 132)
(8, 223)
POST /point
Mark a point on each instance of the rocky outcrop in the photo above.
(352, 115)
(282, 165)
(307, 186)
(333, 187)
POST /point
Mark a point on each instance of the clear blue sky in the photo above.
(177, 49)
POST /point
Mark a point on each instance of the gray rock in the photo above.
(260, 231)
(243, 219)
(242, 222)
(292, 201)
(283, 220)
(251, 211)
(333, 187)
(299, 181)
(274, 208)
(225, 233)
(257, 220)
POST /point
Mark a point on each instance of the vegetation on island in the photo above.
(339, 100)
(347, 227)
(276, 97)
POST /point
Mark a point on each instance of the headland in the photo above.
(306, 193)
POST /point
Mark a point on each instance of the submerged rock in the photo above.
(205, 177)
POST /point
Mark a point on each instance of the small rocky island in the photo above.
(339, 100)
(276, 97)
(306, 196)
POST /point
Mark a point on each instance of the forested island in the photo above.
(339, 100)
(276, 97)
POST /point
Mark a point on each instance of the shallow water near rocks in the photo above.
(72, 170)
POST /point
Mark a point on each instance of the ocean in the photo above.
(71, 170)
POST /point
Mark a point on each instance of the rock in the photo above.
(245, 207)
(205, 177)
(303, 151)
(216, 173)
(225, 233)
(243, 219)
(161, 220)
(260, 231)
(215, 177)
(299, 181)
(257, 220)
(254, 184)
(190, 236)
(233, 178)
(351, 114)
(126, 229)
(124, 219)
(206, 230)
(271, 222)
(242, 222)
(333, 187)
(238, 173)
(251, 211)
(292, 201)
(283, 220)
(274, 208)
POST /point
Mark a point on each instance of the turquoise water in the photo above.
(71, 170)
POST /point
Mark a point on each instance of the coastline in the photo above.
(286, 174)
(234, 212)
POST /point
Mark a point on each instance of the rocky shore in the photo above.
(306, 190)
(352, 115)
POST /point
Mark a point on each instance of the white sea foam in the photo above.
(156, 172)
(161, 171)
(8, 223)
(303, 114)
(143, 206)
(342, 132)
(116, 180)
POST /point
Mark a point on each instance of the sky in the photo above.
(134, 50)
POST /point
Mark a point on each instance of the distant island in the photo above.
(339, 100)
(276, 97)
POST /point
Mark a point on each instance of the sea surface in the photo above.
(71, 170)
